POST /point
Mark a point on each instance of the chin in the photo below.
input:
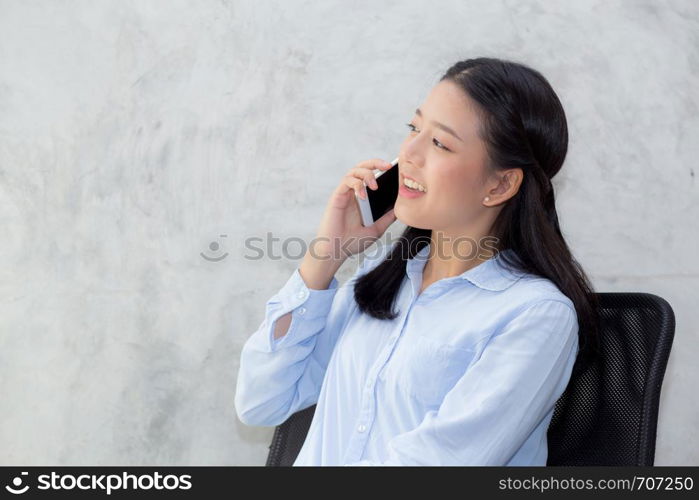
(405, 217)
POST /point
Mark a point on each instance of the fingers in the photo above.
(365, 171)
(367, 175)
(363, 174)
(351, 182)
(375, 163)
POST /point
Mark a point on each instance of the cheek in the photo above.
(456, 184)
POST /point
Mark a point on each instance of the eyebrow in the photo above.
(440, 125)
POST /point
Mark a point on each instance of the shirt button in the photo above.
(302, 310)
(361, 428)
(302, 294)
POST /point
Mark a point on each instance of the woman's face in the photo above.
(451, 167)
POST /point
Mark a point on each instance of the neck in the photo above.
(453, 255)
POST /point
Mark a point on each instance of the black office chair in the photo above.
(608, 413)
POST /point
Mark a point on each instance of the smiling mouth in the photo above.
(409, 188)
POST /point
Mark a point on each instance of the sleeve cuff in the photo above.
(307, 306)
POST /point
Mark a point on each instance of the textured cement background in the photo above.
(139, 139)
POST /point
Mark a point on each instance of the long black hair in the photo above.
(523, 125)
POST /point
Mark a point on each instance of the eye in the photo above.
(435, 141)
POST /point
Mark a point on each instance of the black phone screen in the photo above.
(382, 199)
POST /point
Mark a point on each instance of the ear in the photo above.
(508, 184)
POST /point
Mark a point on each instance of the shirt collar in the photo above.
(493, 274)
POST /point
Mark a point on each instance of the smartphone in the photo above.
(381, 200)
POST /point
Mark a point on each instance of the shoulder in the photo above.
(540, 310)
(531, 289)
(525, 288)
(535, 299)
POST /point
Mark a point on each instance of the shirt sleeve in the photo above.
(278, 377)
(491, 411)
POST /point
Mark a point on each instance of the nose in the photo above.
(408, 160)
(411, 152)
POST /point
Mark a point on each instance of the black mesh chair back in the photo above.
(608, 413)
(289, 437)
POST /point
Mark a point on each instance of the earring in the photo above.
(487, 198)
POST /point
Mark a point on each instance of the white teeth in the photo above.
(414, 185)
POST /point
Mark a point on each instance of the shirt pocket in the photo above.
(431, 368)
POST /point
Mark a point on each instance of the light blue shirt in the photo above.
(467, 374)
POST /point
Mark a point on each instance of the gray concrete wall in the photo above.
(134, 134)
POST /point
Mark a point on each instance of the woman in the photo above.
(452, 345)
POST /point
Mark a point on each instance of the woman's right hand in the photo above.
(341, 233)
